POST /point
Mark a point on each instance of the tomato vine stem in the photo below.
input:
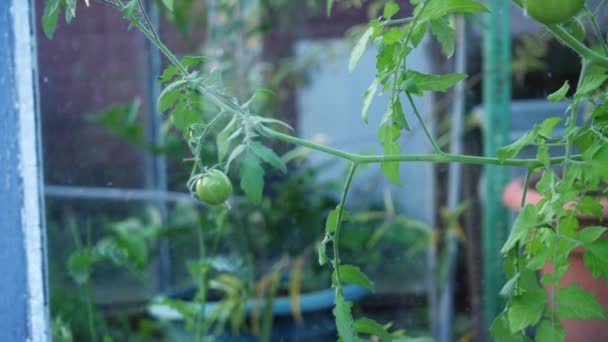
(336, 240)
(435, 158)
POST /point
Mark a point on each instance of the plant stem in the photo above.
(435, 158)
(598, 32)
(436, 147)
(526, 184)
(336, 240)
(89, 304)
(397, 21)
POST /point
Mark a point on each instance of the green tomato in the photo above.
(553, 11)
(214, 188)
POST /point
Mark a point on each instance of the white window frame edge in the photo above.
(30, 166)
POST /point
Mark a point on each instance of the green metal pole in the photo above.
(497, 103)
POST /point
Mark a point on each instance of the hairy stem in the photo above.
(336, 241)
(435, 158)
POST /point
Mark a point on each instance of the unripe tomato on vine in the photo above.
(553, 11)
(214, 188)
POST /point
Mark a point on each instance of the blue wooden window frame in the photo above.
(24, 314)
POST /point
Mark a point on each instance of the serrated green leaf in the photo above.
(589, 235)
(398, 115)
(223, 144)
(542, 155)
(184, 117)
(549, 331)
(508, 288)
(439, 8)
(80, 264)
(368, 98)
(394, 35)
(252, 178)
(445, 34)
(168, 74)
(574, 303)
(331, 223)
(592, 79)
(418, 32)
(547, 126)
(390, 9)
(370, 327)
(596, 265)
(526, 310)
(514, 148)
(427, 82)
(344, 319)
(591, 206)
(353, 275)
(161, 102)
(502, 333)
(525, 220)
(323, 259)
(268, 156)
(235, 154)
(168, 4)
(560, 94)
(359, 49)
(388, 134)
(50, 17)
(168, 99)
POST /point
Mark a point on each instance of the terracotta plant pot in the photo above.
(588, 330)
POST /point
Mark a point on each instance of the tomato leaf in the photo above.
(252, 178)
(549, 331)
(50, 17)
(268, 156)
(559, 94)
(514, 148)
(370, 327)
(526, 310)
(390, 9)
(439, 8)
(359, 49)
(575, 303)
(524, 221)
(184, 117)
(80, 264)
(368, 98)
(353, 275)
(344, 319)
(222, 139)
(417, 82)
(502, 333)
(445, 34)
(388, 134)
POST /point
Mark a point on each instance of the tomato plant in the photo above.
(544, 233)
